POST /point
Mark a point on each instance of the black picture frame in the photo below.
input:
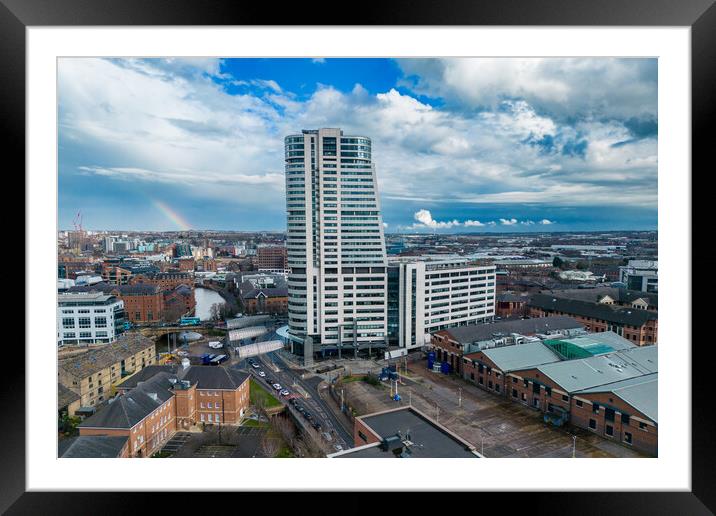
(700, 15)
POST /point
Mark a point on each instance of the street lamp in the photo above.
(574, 446)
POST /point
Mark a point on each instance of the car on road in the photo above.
(316, 425)
(262, 374)
(338, 447)
(255, 365)
(216, 344)
(277, 386)
(183, 353)
(299, 408)
(307, 415)
(284, 392)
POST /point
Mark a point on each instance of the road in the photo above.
(289, 379)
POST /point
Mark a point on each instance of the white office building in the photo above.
(85, 318)
(425, 296)
(335, 241)
(640, 275)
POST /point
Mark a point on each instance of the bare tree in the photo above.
(311, 445)
(270, 445)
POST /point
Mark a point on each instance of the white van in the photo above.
(215, 344)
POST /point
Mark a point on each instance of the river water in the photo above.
(204, 299)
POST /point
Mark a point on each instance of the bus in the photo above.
(189, 321)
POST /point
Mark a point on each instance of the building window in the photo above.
(595, 408)
(514, 393)
(362, 436)
(100, 322)
(85, 322)
(593, 424)
(642, 426)
(565, 397)
(578, 403)
(68, 322)
(625, 419)
(627, 437)
(609, 430)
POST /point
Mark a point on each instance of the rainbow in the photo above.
(171, 214)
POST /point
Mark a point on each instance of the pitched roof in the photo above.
(621, 295)
(602, 370)
(145, 374)
(478, 332)
(611, 313)
(97, 359)
(92, 446)
(213, 377)
(126, 410)
(519, 356)
(640, 392)
(65, 396)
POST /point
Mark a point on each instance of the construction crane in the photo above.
(77, 221)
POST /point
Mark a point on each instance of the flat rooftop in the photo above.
(426, 438)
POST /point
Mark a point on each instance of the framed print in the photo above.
(419, 233)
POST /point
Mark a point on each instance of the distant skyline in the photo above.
(460, 145)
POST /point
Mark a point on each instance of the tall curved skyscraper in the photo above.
(336, 246)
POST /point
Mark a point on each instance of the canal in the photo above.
(204, 299)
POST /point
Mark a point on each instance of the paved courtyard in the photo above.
(234, 442)
(493, 424)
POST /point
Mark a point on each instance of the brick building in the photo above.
(612, 392)
(264, 297)
(405, 432)
(92, 374)
(508, 304)
(150, 301)
(637, 325)
(271, 258)
(453, 343)
(161, 404)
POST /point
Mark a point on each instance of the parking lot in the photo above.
(229, 442)
(493, 424)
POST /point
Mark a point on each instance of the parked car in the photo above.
(255, 365)
(262, 374)
(285, 392)
(215, 344)
(316, 425)
(277, 386)
(182, 353)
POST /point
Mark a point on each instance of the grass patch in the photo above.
(284, 453)
(259, 396)
(252, 423)
(352, 378)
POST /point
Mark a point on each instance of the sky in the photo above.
(459, 144)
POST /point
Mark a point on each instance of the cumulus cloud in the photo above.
(569, 87)
(502, 136)
(546, 221)
(425, 219)
(508, 222)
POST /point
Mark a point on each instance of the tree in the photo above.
(557, 262)
(270, 445)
